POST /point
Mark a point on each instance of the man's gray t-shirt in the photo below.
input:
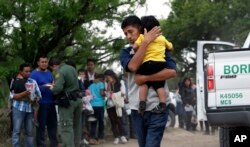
(133, 94)
(133, 89)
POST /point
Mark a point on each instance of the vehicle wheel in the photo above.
(171, 119)
(224, 137)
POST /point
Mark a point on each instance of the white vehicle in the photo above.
(223, 87)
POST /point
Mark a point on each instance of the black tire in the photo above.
(171, 119)
(224, 137)
(225, 134)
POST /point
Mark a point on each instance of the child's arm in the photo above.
(169, 45)
(102, 89)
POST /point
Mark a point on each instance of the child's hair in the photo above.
(148, 22)
(99, 76)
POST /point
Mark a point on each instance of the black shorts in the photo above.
(152, 67)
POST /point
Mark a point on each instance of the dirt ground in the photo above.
(175, 137)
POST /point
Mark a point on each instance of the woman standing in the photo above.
(188, 97)
(113, 110)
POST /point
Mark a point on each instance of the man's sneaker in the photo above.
(84, 141)
(116, 141)
(101, 141)
(93, 142)
(142, 107)
(158, 109)
(124, 139)
(91, 119)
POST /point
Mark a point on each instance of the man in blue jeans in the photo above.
(149, 127)
(22, 109)
(47, 111)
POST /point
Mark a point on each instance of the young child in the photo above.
(35, 96)
(153, 62)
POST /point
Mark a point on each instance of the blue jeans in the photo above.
(20, 119)
(46, 117)
(149, 128)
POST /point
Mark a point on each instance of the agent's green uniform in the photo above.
(69, 118)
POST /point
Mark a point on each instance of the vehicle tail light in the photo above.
(210, 77)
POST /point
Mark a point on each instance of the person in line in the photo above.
(67, 91)
(126, 110)
(90, 72)
(149, 128)
(22, 109)
(115, 103)
(188, 96)
(180, 111)
(153, 62)
(47, 112)
(97, 89)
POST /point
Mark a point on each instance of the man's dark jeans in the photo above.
(149, 128)
(46, 117)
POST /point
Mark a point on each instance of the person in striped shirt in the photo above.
(22, 107)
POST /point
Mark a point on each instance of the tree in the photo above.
(59, 27)
(192, 20)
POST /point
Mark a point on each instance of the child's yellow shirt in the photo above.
(156, 49)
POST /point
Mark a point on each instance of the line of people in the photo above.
(149, 109)
(77, 125)
(108, 93)
(186, 109)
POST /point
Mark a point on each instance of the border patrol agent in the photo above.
(66, 89)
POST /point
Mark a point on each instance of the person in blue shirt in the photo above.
(97, 90)
(46, 113)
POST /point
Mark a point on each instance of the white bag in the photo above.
(110, 103)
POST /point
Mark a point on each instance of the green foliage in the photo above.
(66, 28)
(192, 20)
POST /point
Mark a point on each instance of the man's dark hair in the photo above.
(131, 20)
(54, 61)
(91, 60)
(148, 22)
(41, 56)
(23, 65)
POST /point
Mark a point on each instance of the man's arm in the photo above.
(164, 74)
(21, 95)
(57, 88)
(137, 59)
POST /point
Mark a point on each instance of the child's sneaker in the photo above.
(142, 107)
(91, 118)
(124, 139)
(116, 141)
